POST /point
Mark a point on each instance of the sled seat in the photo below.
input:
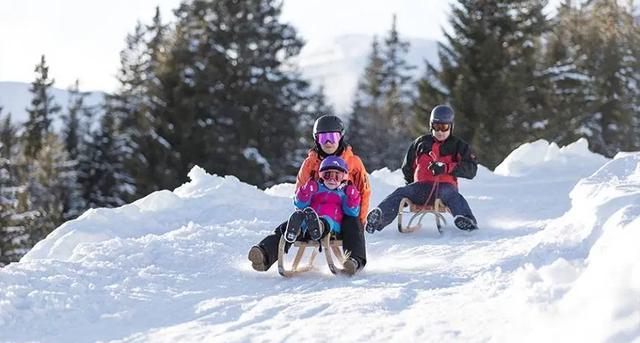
(332, 250)
(417, 212)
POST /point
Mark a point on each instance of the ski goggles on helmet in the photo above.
(440, 127)
(332, 174)
(331, 137)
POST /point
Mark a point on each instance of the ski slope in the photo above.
(556, 259)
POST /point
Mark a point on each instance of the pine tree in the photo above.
(41, 112)
(398, 96)
(105, 183)
(235, 99)
(11, 229)
(43, 166)
(77, 120)
(47, 178)
(593, 57)
(380, 122)
(612, 50)
(365, 125)
(489, 70)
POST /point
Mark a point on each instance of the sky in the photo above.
(81, 39)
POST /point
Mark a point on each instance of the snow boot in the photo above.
(258, 259)
(374, 219)
(351, 266)
(293, 226)
(464, 223)
(314, 226)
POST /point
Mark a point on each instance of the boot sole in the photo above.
(257, 259)
(313, 224)
(350, 268)
(293, 226)
(465, 224)
(374, 218)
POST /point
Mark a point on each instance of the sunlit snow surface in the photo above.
(556, 258)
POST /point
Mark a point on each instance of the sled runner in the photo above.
(417, 213)
(332, 249)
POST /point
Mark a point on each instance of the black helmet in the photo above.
(328, 123)
(441, 114)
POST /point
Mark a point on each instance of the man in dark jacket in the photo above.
(431, 169)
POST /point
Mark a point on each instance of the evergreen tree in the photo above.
(43, 167)
(41, 112)
(11, 229)
(365, 125)
(489, 70)
(105, 183)
(381, 110)
(612, 50)
(47, 177)
(77, 120)
(128, 125)
(234, 99)
(593, 57)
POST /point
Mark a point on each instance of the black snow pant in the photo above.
(351, 234)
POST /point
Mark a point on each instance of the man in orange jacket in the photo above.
(328, 133)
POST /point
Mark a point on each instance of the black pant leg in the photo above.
(353, 238)
(270, 244)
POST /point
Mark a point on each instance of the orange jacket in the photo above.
(357, 175)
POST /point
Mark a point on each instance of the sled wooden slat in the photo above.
(417, 213)
(331, 246)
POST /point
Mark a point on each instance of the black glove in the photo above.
(437, 168)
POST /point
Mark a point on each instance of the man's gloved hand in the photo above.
(437, 168)
(353, 196)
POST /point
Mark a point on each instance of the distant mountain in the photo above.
(15, 98)
(336, 65)
(339, 63)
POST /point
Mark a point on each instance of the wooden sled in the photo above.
(331, 246)
(417, 213)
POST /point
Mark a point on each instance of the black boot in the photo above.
(293, 226)
(351, 266)
(258, 259)
(464, 223)
(314, 226)
(374, 220)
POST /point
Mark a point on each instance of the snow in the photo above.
(555, 259)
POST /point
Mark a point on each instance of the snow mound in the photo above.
(591, 295)
(544, 158)
(555, 259)
(206, 199)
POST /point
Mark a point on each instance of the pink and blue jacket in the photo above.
(329, 204)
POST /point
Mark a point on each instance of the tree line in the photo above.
(216, 86)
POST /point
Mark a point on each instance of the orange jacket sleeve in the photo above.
(307, 170)
(361, 181)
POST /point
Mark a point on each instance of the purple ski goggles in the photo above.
(331, 137)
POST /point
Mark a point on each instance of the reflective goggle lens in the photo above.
(441, 127)
(331, 175)
(331, 137)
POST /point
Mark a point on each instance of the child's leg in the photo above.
(314, 225)
(293, 226)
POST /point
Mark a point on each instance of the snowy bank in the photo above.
(555, 259)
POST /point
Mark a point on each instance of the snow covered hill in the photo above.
(556, 259)
(338, 64)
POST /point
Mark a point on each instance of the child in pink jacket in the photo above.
(321, 205)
